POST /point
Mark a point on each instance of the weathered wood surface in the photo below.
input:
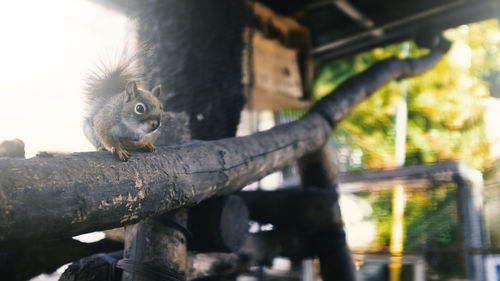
(72, 194)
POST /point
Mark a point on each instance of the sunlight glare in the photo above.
(47, 50)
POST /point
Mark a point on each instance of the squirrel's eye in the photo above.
(140, 108)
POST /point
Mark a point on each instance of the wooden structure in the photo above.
(343, 27)
(469, 185)
(195, 51)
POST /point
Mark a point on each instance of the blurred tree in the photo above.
(445, 122)
(445, 105)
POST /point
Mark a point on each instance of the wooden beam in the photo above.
(418, 176)
(65, 195)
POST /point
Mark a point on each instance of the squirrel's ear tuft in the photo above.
(156, 91)
(131, 90)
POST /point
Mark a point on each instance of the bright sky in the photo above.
(47, 49)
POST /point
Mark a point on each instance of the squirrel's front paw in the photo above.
(149, 147)
(122, 154)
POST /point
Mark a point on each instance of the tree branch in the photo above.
(61, 196)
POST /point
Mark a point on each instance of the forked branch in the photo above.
(66, 195)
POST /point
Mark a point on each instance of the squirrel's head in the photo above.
(142, 110)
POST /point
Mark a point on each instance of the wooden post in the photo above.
(316, 169)
(469, 199)
(152, 246)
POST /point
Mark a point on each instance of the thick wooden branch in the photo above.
(65, 195)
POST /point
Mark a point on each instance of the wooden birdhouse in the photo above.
(277, 72)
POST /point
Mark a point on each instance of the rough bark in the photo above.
(66, 195)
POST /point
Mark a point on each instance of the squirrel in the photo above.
(120, 115)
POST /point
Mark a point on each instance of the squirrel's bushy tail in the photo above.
(109, 80)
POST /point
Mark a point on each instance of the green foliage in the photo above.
(445, 120)
(430, 226)
(425, 212)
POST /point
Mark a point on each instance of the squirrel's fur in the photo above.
(120, 115)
